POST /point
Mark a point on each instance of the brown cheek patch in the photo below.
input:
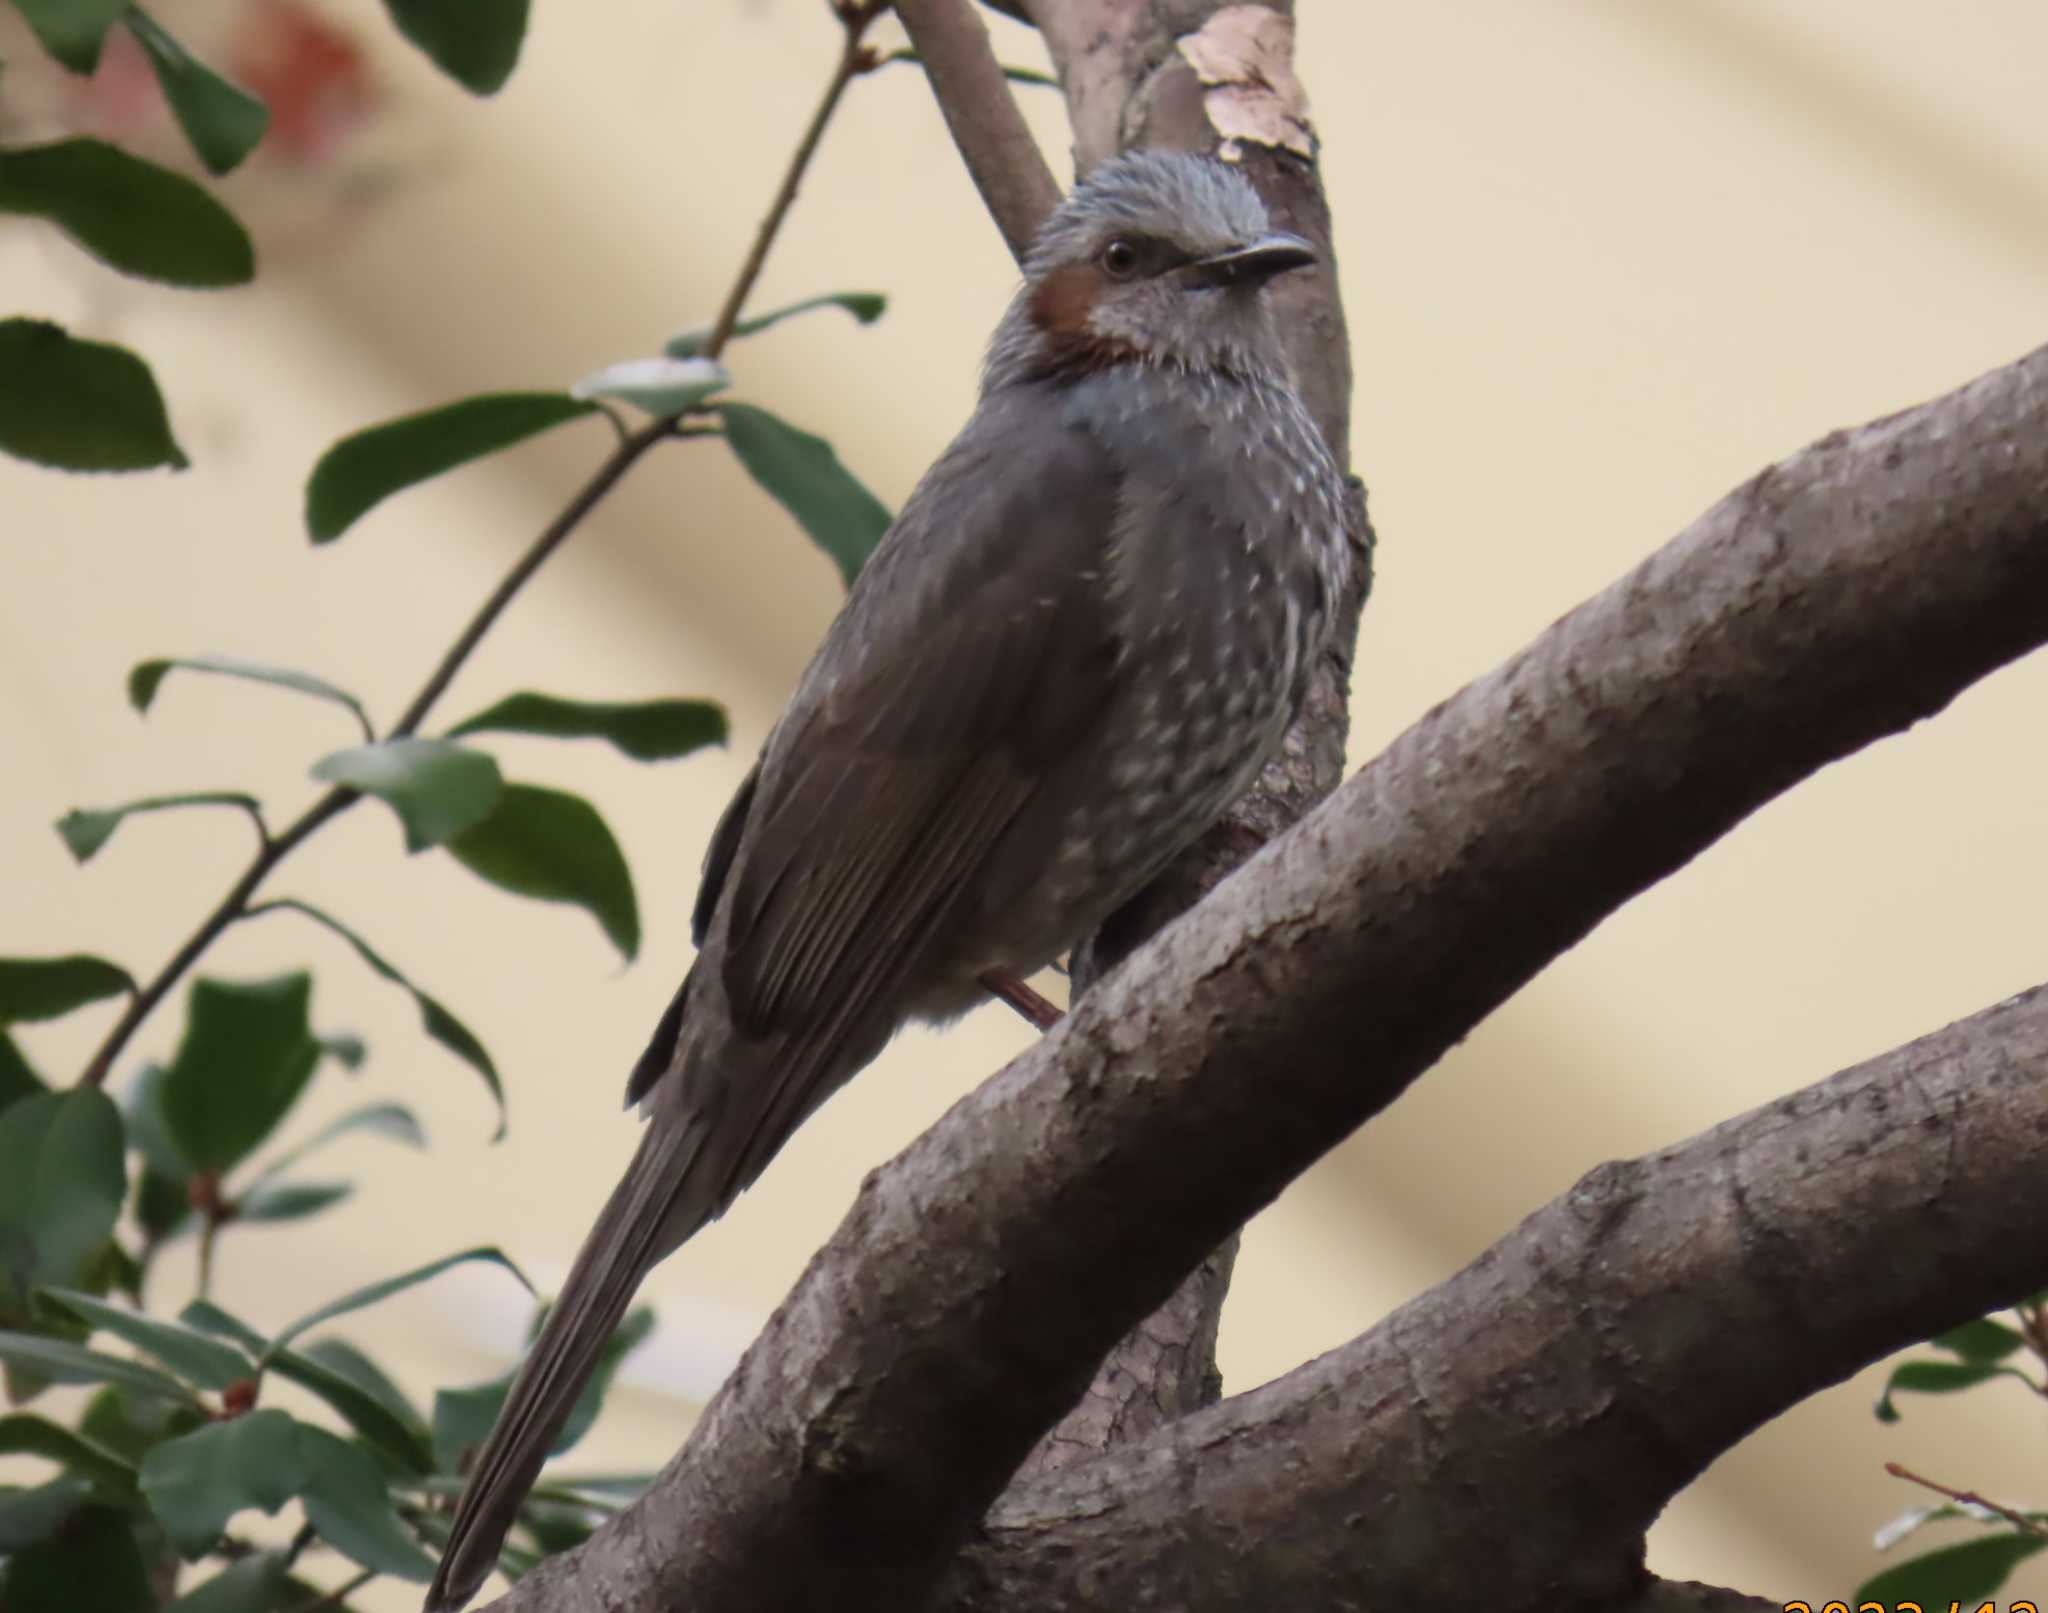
(1063, 308)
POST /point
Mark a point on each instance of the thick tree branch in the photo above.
(982, 116)
(955, 1314)
(1615, 1343)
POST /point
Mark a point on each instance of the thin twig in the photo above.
(974, 97)
(854, 60)
(1970, 1498)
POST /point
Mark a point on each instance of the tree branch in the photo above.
(1615, 1343)
(982, 115)
(955, 1315)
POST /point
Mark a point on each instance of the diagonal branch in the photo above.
(1615, 1343)
(960, 1308)
(982, 115)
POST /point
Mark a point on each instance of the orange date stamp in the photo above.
(1910, 1607)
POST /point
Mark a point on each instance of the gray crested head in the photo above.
(1157, 258)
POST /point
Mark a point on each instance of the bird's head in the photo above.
(1156, 258)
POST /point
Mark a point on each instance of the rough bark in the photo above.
(979, 1277)
(1505, 1440)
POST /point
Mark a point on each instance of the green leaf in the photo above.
(437, 788)
(198, 1481)
(441, 1025)
(554, 847)
(247, 1053)
(256, 1584)
(71, 1363)
(30, 1516)
(145, 676)
(93, 1563)
(347, 1503)
(49, 988)
(865, 306)
(23, 1433)
(86, 829)
(72, 30)
(1939, 1378)
(646, 730)
(130, 214)
(664, 387)
(343, 1378)
(802, 474)
(1954, 1574)
(79, 405)
(290, 1201)
(475, 42)
(361, 471)
(192, 1355)
(17, 1079)
(1982, 1340)
(62, 1179)
(371, 1293)
(392, 1120)
(223, 123)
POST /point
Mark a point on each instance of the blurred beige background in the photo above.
(1602, 261)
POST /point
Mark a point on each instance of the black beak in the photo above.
(1252, 264)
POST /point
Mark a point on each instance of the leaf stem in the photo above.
(1970, 1498)
(854, 60)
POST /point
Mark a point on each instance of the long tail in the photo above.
(654, 1208)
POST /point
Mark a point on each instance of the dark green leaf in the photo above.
(646, 730)
(1954, 1574)
(865, 306)
(192, 1355)
(86, 829)
(93, 1563)
(198, 1481)
(361, 471)
(70, 1363)
(79, 405)
(72, 30)
(1982, 1340)
(62, 1179)
(664, 387)
(554, 847)
(441, 1025)
(343, 1378)
(371, 1293)
(256, 1584)
(129, 1424)
(345, 1049)
(339, 1356)
(392, 1120)
(163, 1200)
(33, 1515)
(475, 42)
(462, 1417)
(1939, 1378)
(49, 988)
(804, 476)
(23, 1433)
(437, 788)
(223, 123)
(145, 676)
(130, 214)
(247, 1053)
(290, 1201)
(17, 1079)
(347, 1503)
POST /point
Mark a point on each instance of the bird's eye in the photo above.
(1120, 259)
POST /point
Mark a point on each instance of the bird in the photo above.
(1082, 638)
